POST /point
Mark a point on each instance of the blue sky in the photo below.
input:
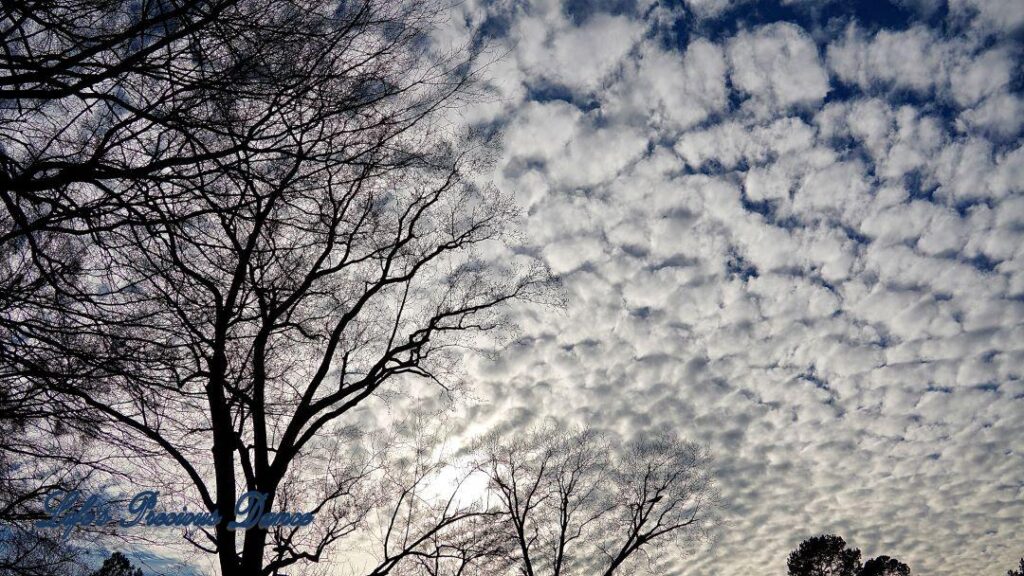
(792, 231)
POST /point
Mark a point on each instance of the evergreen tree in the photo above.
(885, 566)
(825, 555)
(117, 565)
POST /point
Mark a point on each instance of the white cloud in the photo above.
(777, 66)
(574, 151)
(1001, 116)
(711, 8)
(672, 90)
(984, 75)
(954, 71)
(541, 130)
(551, 49)
(910, 59)
(990, 15)
(732, 142)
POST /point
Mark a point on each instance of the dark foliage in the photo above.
(117, 565)
(825, 555)
(1019, 571)
(885, 566)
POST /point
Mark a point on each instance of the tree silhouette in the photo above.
(27, 553)
(117, 565)
(825, 555)
(577, 503)
(229, 225)
(1017, 572)
(885, 566)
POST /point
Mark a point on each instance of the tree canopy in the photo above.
(117, 564)
(828, 555)
(825, 555)
(885, 566)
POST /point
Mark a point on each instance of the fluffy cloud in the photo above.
(553, 49)
(574, 151)
(968, 74)
(912, 59)
(1000, 16)
(777, 66)
(671, 90)
(985, 75)
(1000, 117)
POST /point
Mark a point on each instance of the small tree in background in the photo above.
(117, 565)
(1017, 572)
(577, 503)
(885, 566)
(825, 555)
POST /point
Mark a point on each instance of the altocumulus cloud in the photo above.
(792, 231)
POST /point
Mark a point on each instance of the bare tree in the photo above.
(99, 100)
(475, 547)
(428, 522)
(38, 454)
(29, 554)
(231, 223)
(577, 503)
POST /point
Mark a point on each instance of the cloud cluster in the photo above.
(919, 61)
(801, 242)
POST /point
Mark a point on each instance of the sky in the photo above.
(792, 231)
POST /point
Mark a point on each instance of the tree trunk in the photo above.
(224, 465)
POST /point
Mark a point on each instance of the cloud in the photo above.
(912, 59)
(990, 16)
(580, 57)
(777, 66)
(984, 75)
(574, 151)
(960, 72)
(1001, 117)
(734, 142)
(711, 8)
(671, 90)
